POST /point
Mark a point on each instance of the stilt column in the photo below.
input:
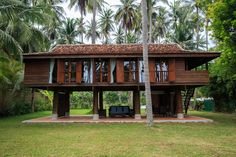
(61, 104)
(172, 98)
(136, 101)
(95, 105)
(179, 107)
(67, 104)
(100, 100)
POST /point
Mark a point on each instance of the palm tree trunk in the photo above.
(125, 34)
(150, 25)
(197, 26)
(94, 22)
(82, 35)
(146, 67)
(32, 100)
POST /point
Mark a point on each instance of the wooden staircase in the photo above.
(188, 94)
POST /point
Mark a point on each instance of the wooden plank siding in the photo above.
(152, 70)
(36, 71)
(172, 74)
(183, 76)
(79, 71)
(60, 71)
(120, 70)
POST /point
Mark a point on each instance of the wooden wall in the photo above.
(36, 71)
(183, 76)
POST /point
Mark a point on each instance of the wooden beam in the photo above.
(179, 107)
(120, 70)
(95, 104)
(136, 100)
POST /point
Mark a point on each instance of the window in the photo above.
(70, 71)
(86, 75)
(161, 70)
(130, 71)
(101, 70)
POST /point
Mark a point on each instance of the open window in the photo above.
(130, 70)
(162, 70)
(101, 70)
(87, 73)
(70, 71)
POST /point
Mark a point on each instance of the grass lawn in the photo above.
(58, 140)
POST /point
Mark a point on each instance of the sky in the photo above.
(72, 13)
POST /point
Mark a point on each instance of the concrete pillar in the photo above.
(136, 101)
(179, 107)
(95, 105)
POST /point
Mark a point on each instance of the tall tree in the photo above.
(17, 28)
(119, 36)
(146, 67)
(81, 6)
(68, 32)
(106, 24)
(94, 6)
(126, 15)
(89, 32)
(150, 6)
(161, 25)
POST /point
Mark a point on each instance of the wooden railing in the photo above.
(162, 76)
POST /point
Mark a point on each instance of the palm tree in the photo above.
(161, 24)
(11, 75)
(106, 23)
(146, 67)
(126, 15)
(150, 6)
(93, 6)
(119, 36)
(68, 32)
(89, 32)
(81, 6)
(17, 31)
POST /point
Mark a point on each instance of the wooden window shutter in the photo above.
(172, 69)
(120, 70)
(152, 70)
(79, 71)
(60, 71)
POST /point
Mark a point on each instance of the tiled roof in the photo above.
(116, 50)
(122, 49)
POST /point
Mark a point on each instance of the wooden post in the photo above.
(95, 105)
(172, 97)
(32, 100)
(67, 104)
(136, 101)
(100, 100)
(55, 106)
(179, 108)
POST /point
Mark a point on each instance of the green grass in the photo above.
(59, 140)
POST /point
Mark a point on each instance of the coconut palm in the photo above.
(145, 61)
(161, 24)
(105, 23)
(11, 75)
(94, 6)
(80, 5)
(68, 32)
(126, 15)
(17, 31)
(89, 32)
(119, 35)
(151, 7)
